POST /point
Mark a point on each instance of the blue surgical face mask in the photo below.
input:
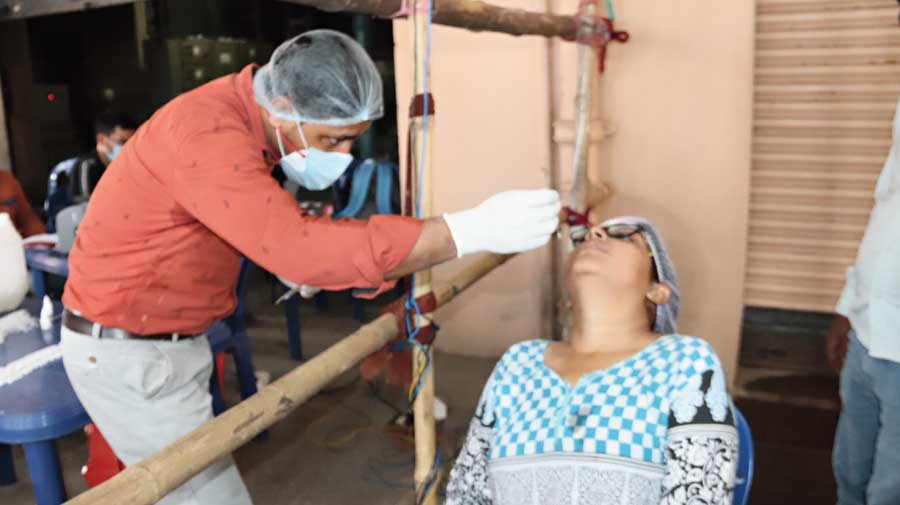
(114, 151)
(312, 168)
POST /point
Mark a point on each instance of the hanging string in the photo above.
(414, 312)
(414, 327)
(433, 478)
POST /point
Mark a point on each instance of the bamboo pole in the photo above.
(150, 480)
(473, 15)
(447, 291)
(422, 142)
(579, 196)
(587, 63)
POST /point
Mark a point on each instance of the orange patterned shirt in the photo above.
(158, 250)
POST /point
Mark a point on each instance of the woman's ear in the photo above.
(659, 293)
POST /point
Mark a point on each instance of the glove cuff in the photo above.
(462, 225)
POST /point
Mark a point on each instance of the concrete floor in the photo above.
(335, 449)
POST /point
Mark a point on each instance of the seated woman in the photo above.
(624, 412)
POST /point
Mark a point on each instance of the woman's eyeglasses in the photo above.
(616, 231)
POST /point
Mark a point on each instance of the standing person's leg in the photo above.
(145, 395)
(857, 431)
(884, 486)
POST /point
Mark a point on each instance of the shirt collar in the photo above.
(244, 85)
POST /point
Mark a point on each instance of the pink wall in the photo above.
(679, 99)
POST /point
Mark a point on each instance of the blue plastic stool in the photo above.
(46, 473)
(36, 421)
(7, 469)
(745, 460)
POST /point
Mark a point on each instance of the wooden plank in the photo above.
(473, 15)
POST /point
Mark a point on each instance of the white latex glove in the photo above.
(306, 291)
(509, 222)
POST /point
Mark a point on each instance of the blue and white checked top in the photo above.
(620, 411)
(653, 429)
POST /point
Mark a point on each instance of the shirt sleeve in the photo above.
(701, 441)
(26, 220)
(469, 482)
(224, 182)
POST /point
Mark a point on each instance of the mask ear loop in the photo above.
(302, 136)
(280, 143)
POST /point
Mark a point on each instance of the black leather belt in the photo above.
(84, 326)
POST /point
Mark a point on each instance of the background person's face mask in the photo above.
(116, 148)
(110, 148)
(312, 168)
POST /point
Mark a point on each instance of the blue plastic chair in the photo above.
(230, 335)
(60, 198)
(359, 177)
(291, 306)
(42, 262)
(745, 459)
(291, 315)
(360, 180)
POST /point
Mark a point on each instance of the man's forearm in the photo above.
(435, 246)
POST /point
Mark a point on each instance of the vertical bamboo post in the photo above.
(579, 193)
(587, 66)
(422, 142)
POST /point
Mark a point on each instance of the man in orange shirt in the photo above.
(157, 253)
(14, 203)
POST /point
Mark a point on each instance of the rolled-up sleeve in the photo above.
(225, 184)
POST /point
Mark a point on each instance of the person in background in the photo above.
(863, 346)
(14, 203)
(73, 180)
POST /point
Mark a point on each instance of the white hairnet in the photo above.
(667, 314)
(321, 77)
